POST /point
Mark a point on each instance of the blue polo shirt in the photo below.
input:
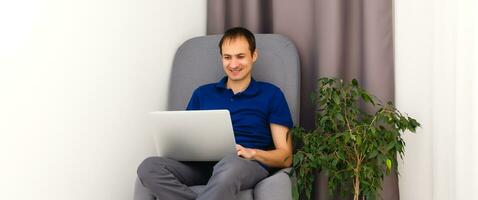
(252, 110)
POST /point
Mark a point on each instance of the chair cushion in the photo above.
(276, 187)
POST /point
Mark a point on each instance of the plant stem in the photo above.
(357, 179)
(357, 156)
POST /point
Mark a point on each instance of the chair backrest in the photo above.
(198, 62)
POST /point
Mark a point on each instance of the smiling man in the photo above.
(260, 118)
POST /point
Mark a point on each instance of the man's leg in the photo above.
(231, 175)
(169, 179)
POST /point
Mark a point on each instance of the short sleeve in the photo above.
(194, 101)
(279, 110)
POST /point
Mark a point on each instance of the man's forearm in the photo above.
(274, 158)
(280, 157)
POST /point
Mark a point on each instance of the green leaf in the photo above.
(295, 191)
(390, 145)
(336, 99)
(359, 140)
(366, 97)
(354, 82)
(373, 154)
(340, 117)
(323, 120)
(389, 165)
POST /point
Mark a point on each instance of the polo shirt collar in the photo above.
(251, 89)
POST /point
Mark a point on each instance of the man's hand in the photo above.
(245, 152)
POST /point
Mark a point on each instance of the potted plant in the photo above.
(354, 148)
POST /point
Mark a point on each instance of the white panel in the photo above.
(446, 99)
(466, 107)
(413, 94)
(443, 99)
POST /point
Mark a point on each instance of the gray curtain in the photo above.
(341, 38)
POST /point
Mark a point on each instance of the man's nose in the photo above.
(234, 63)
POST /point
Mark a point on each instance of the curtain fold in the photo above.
(342, 38)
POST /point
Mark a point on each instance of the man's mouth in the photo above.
(235, 71)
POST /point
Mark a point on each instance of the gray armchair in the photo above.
(198, 62)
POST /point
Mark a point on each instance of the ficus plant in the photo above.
(353, 147)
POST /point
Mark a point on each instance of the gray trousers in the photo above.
(169, 179)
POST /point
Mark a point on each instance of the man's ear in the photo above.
(255, 55)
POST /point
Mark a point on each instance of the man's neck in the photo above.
(238, 86)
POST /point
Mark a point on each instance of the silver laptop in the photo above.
(203, 135)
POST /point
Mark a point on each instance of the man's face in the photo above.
(237, 60)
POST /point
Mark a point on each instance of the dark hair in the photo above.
(238, 32)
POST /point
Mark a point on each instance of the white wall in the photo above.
(76, 80)
(413, 55)
(436, 68)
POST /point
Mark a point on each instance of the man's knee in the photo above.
(230, 167)
(149, 165)
(235, 173)
(231, 159)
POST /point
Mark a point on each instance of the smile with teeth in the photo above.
(235, 71)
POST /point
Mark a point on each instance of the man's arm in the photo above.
(280, 157)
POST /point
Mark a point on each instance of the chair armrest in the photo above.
(275, 187)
